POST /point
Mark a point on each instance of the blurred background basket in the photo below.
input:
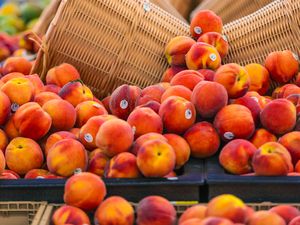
(111, 42)
(184, 7)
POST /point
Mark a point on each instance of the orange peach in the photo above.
(145, 120)
(194, 212)
(76, 132)
(10, 76)
(97, 163)
(289, 89)
(144, 138)
(207, 104)
(70, 215)
(43, 97)
(291, 141)
(259, 78)
(187, 78)
(9, 175)
(156, 158)
(3, 140)
(236, 156)
(5, 108)
(165, 85)
(36, 82)
(114, 136)
(2, 162)
(62, 74)
(177, 114)
(66, 156)
(234, 78)
(105, 103)
(171, 175)
(155, 210)
(86, 110)
(75, 92)
(151, 93)
(287, 212)
(177, 48)
(154, 105)
(295, 99)
(229, 207)
(16, 64)
(234, 121)
(192, 222)
(272, 159)
(203, 56)
(216, 221)
(31, 121)
(36, 174)
(205, 21)
(295, 221)
(297, 167)
(181, 148)
(123, 165)
(85, 191)
(262, 100)
(279, 116)
(10, 128)
(23, 155)
(282, 65)
(56, 137)
(123, 100)
(24, 93)
(177, 90)
(208, 74)
(203, 139)
(115, 210)
(95, 152)
(217, 40)
(265, 217)
(297, 82)
(262, 136)
(171, 72)
(52, 88)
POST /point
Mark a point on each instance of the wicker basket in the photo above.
(184, 7)
(230, 10)
(111, 42)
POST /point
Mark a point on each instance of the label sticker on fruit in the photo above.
(147, 6)
(228, 135)
(14, 107)
(198, 30)
(188, 114)
(123, 104)
(97, 105)
(77, 171)
(213, 57)
(40, 177)
(296, 56)
(225, 37)
(88, 138)
(254, 98)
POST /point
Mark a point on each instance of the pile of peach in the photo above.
(85, 193)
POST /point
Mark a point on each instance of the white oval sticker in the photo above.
(296, 56)
(77, 171)
(229, 135)
(88, 138)
(123, 104)
(188, 114)
(14, 107)
(213, 57)
(225, 37)
(255, 99)
(198, 30)
(147, 6)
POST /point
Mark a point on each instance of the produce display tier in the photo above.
(251, 188)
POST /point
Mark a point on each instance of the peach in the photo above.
(229, 207)
(43, 97)
(165, 85)
(25, 91)
(294, 174)
(114, 136)
(216, 221)
(31, 121)
(261, 100)
(205, 21)
(154, 105)
(23, 155)
(66, 156)
(88, 132)
(297, 82)
(98, 101)
(5, 108)
(187, 78)
(287, 212)
(272, 159)
(4, 52)
(95, 152)
(203, 56)
(208, 74)
(144, 138)
(151, 93)
(9, 175)
(52, 88)
(177, 114)
(259, 78)
(181, 148)
(11, 76)
(56, 137)
(10, 128)
(85, 191)
(3, 140)
(171, 175)
(194, 212)
(291, 141)
(156, 158)
(279, 116)
(203, 139)
(105, 103)
(297, 167)
(2, 162)
(62, 74)
(295, 99)
(36, 174)
(70, 215)
(265, 217)
(262, 136)
(171, 72)
(290, 89)
(36, 82)
(192, 222)
(282, 65)
(295, 221)
(177, 48)
(234, 121)
(86, 110)
(97, 163)
(177, 90)
(145, 120)
(17, 64)
(234, 78)
(207, 105)
(76, 132)
(155, 210)
(75, 92)
(217, 40)
(123, 165)
(115, 210)
(123, 100)
(236, 156)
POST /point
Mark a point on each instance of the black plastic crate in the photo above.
(187, 187)
(281, 189)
